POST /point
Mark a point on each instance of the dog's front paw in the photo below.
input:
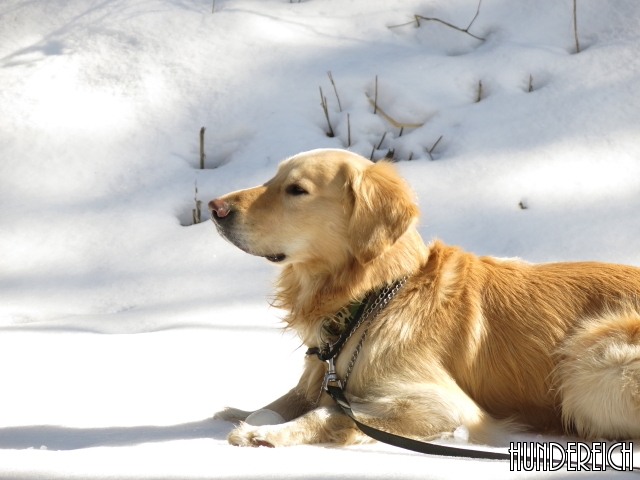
(247, 435)
(233, 415)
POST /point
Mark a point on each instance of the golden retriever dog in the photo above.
(487, 343)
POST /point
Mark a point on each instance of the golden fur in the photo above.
(487, 343)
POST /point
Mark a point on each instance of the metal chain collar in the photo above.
(385, 296)
(380, 302)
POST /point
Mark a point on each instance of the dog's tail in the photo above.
(598, 378)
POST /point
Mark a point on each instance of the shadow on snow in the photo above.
(67, 438)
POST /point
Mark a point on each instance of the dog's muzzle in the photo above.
(223, 216)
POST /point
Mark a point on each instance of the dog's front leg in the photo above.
(321, 425)
(306, 421)
(296, 402)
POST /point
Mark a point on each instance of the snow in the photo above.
(123, 331)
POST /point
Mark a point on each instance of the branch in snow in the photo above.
(575, 26)
(417, 19)
(430, 150)
(378, 146)
(390, 155)
(202, 155)
(323, 102)
(195, 213)
(381, 140)
(375, 98)
(334, 89)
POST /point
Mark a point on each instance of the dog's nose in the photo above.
(219, 207)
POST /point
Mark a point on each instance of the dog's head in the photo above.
(321, 208)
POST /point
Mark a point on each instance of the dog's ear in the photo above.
(383, 210)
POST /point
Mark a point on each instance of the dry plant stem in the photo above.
(429, 150)
(479, 91)
(410, 156)
(530, 83)
(323, 102)
(378, 146)
(196, 212)
(391, 120)
(575, 26)
(202, 155)
(417, 19)
(334, 89)
(375, 98)
(474, 17)
(401, 130)
(348, 131)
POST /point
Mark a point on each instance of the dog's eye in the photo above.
(295, 190)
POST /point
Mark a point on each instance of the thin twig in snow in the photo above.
(348, 131)
(429, 150)
(375, 101)
(417, 19)
(390, 155)
(530, 83)
(479, 91)
(323, 102)
(202, 155)
(575, 26)
(378, 146)
(195, 213)
(335, 89)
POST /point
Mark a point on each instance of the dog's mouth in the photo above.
(275, 258)
(227, 232)
(229, 237)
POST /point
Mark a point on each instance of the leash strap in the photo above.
(408, 443)
(337, 394)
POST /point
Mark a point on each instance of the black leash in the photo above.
(336, 393)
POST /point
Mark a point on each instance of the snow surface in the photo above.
(122, 330)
